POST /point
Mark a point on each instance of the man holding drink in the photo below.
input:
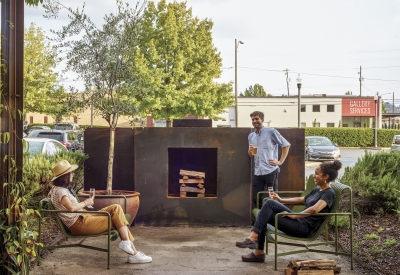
(263, 147)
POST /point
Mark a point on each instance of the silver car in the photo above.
(35, 145)
(396, 143)
(321, 148)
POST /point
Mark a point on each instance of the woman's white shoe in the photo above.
(126, 246)
(139, 258)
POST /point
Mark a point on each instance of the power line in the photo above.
(324, 75)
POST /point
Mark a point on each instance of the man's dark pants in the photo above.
(261, 183)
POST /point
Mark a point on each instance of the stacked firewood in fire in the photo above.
(312, 267)
(192, 182)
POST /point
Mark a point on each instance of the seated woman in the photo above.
(320, 199)
(86, 224)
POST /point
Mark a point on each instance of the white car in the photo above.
(396, 143)
(48, 146)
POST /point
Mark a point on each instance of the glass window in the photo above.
(329, 124)
(330, 108)
(52, 135)
(315, 108)
(34, 148)
(303, 124)
(303, 108)
(317, 124)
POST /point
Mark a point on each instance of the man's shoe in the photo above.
(126, 246)
(254, 258)
(247, 243)
(139, 258)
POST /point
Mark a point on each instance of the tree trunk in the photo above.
(110, 161)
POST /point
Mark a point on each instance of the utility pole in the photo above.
(236, 82)
(287, 80)
(361, 79)
(393, 104)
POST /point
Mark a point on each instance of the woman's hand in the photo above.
(89, 201)
(274, 196)
(289, 216)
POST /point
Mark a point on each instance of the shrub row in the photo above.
(376, 175)
(355, 137)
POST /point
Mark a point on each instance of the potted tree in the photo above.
(102, 59)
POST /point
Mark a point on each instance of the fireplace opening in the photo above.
(186, 168)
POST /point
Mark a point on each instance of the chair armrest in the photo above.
(307, 214)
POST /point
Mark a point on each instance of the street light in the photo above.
(376, 130)
(236, 82)
(298, 79)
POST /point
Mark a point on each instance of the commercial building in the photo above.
(315, 111)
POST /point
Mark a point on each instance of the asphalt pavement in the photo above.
(349, 157)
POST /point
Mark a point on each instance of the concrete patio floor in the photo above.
(176, 250)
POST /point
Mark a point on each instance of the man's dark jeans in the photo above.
(261, 183)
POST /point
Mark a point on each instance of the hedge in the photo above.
(355, 137)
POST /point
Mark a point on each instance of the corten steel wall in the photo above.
(145, 158)
(97, 142)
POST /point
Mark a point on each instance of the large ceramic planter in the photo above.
(102, 200)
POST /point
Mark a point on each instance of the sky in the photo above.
(325, 41)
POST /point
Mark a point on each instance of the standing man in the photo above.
(263, 147)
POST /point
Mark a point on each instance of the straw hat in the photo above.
(63, 167)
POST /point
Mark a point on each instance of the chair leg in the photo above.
(108, 251)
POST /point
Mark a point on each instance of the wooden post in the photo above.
(12, 61)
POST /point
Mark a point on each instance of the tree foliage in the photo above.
(102, 58)
(40, 78)
(257, 90)
(42, 90)
(176, 64)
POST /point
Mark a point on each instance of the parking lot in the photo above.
(349, 157)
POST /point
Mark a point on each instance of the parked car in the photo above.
(66, 126)
(67, 138)
(36, 127)
(48, 146)
(396, 144)
(321, 148)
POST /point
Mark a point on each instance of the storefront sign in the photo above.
(358, 107)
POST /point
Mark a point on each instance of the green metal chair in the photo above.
(338, 188)
(310, 185)
(45, 206)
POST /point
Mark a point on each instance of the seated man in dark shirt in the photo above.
(320, 199)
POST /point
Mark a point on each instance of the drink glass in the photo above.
(254, 149)
(92, 194)
(270, 190)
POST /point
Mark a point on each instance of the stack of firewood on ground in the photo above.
(312, 267)
(192, 178)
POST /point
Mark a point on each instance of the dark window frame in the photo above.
(316, 108)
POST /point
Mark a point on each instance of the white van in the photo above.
(396, 143)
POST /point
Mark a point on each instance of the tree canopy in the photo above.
(176, 64)
(40, 77)
(257, 90)
(102, 58)
(42, 90)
